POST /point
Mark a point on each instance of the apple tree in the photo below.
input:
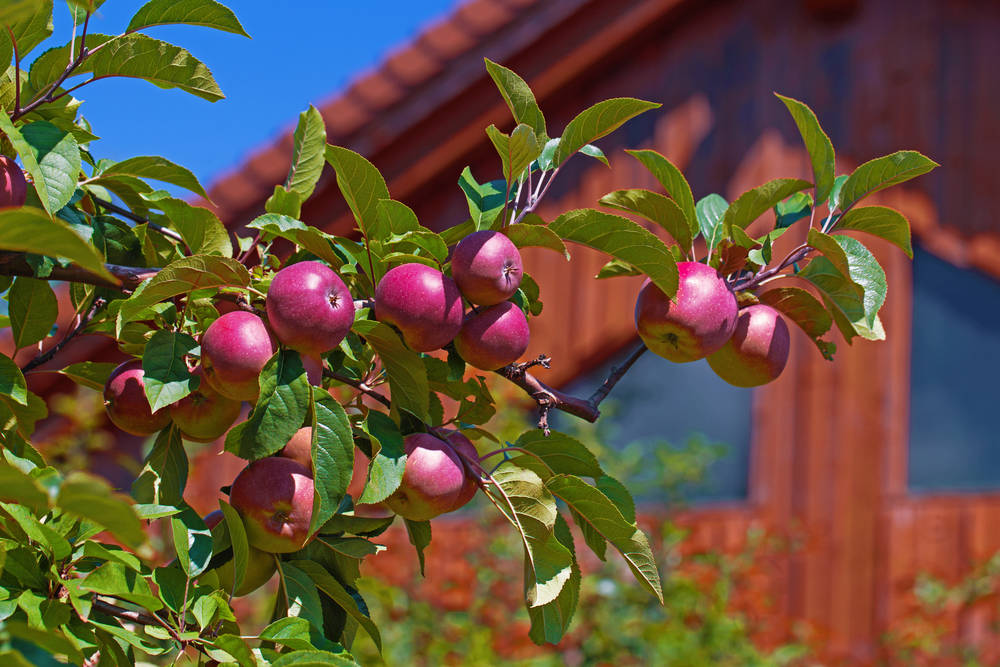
(352, 374)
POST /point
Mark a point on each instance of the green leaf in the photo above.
(12, 383)
(817, 143)
(166, 376)
(29, 229)
(205, 13)
(419, 533)
(617, 269)
(201, 229)
(118, 581)
(18, 487)
(91, 498)
(313, 658)
(623, 239)
(157, 168)
(388, 458)
(792, 210)
(800, 307)
(52, 640)
(302, 596)
(593, 151)
(517, 150)
(18, 10)
(192, 541)
(828, 246)
(880, 221)
(308, 154)
(424, 239)
(33, 311)
(284, 202)
(672, 180)
(525, 235)
(519, 98)
(656, 208)
(485, 200)
(289, 631)
(29, 30)
(855, 299)
(407, 374)
(332, 455)
(596, 509)
(561, 453)
(281, 409)
(596, 122)
(58, 158)
(550, 621)
(838, 184)
(239, 544)
(397, 217)
(362, 186)
(755, 202)
(237, 649)
(882, 172)
(165, 472)
(341, 596)
(710, 211)
(299, 233)
(182, 276)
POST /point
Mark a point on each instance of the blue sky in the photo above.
(301, 53)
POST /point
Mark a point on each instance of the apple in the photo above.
(234, 350)
(423, 303)
(467, 452)
(13, 186)
(359, 476)
(204, 415)
(309, 308)
(758, 350)
(487, 267)
(275, 498)
(260, 564)
(299, 448)
(696, 323)
(493, 337)
(433, 479)
(126, 403)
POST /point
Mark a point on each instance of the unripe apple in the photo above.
(309, 307)
(433, 479)
(423, 303)
(696, 323)
(260, 564)
(493, 337)
(234, 350)
(467, 452)
(275, 498)
(758, 350)
(13, 186)
(204, 415)
(487, 267)
(126, 403)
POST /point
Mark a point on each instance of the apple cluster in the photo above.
(746, 347)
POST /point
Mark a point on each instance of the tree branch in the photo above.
(14, 264)
(54, 350)
(357, 384)
(617, 373)
(796, 255)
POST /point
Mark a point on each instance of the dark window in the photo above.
(660, 402)
(955, 365)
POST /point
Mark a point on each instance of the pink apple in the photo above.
(423, 303)
(13, 186)
(126, 403)
(204, 415)
(487, 267)
(309, 307)
(696, 323)
(493, 337)
(260, 564)
(433, 479)
(758, 350)
(275, 498)
(234, 350)
(299, 448)
(467, 452)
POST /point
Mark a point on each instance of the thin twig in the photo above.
(533, 204)
(617, 373)
(796, 255)
(54, 350)
(246, 253)
(357, 384)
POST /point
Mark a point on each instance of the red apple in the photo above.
(423, 303)
(126, 403)
(260, 564)
(757, 351)
(487, 267)
(314, 370)
(309, 307)
(493, 337)
(433, 479)
(204, 415)
(467, 452)
(13, 186)
(234, 350)
(696, 323)
(359, 476)
(275, 497)
(299, 448)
